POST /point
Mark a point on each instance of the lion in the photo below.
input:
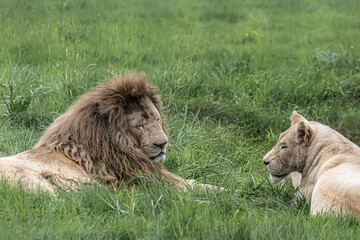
(322, 163)
(115, 133)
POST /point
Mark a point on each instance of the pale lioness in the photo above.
(115, 133)
(321, 162)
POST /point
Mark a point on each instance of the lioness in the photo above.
(321, 162)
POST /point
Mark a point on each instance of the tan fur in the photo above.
(114, 133)
(321, 162)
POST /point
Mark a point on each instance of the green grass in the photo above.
(227, 97)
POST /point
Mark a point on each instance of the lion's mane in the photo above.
(93, 132)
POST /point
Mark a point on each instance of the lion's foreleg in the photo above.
(185, 184)
(195, 184)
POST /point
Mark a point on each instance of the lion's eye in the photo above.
(159, 120)
(141, 127)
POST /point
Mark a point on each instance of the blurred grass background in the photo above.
(230, 74)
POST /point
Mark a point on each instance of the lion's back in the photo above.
(42, 169)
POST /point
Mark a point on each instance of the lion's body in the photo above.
(42, 169)
(322, 163)
(114, 133)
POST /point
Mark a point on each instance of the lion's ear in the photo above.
(296, 118)
(304, 133)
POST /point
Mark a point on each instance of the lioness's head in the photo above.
(288, 155)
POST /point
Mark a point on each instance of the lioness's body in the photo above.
(321, 162)
(332, 180)
(41, 168)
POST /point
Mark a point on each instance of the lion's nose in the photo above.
(266, 162)
(160, 145)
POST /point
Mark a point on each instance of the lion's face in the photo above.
(288, 155)
(146, 128)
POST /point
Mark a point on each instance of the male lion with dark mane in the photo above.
(321, 162)
(114, 133)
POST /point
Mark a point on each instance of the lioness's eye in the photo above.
(158, 120)
(282, 147)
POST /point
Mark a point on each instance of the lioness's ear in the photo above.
(304, 133)
(296, 118)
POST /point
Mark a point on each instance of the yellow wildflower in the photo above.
(98, 14)
(255, 32)
(56, 29)
(247, 34)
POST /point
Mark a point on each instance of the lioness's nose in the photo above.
(266, 162)
(160, 145)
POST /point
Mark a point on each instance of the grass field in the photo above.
(230, 74)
